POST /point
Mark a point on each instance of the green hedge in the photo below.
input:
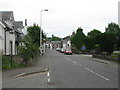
(6, 63)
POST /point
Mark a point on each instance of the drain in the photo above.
(50, 83)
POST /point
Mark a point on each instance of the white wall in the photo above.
(64, 46)
(2, 38)
(68, 44)
(10, 37)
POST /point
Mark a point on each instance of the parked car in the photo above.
(62, 50)
(68, 51)
(58, 49)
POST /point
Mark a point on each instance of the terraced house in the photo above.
(10, 31)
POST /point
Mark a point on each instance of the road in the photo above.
(70, 71)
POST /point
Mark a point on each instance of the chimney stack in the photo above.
(25, 22)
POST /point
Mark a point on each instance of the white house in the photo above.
(8, 21)
(2, 36)
(18, 27)
(66, 43)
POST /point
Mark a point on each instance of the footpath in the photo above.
(41, 65)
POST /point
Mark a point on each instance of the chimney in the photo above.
(25, 22)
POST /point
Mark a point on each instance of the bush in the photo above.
(106, 42)
(6, 63)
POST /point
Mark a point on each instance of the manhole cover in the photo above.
(50, 83)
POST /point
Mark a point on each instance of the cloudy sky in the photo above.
(64, 16)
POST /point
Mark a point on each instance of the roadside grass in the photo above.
(6, 64)
(115, 54)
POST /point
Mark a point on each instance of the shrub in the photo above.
(6, 63)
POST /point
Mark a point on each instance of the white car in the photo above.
(58, 49)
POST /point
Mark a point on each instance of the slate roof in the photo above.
(18, 24)
(6, 14)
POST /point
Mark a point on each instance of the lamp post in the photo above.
(41, 30)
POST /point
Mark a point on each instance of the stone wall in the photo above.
(105, 57)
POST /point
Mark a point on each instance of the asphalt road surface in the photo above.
(70, 71)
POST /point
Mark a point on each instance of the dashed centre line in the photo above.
(48, 74)
(97, 74)
(89, 70)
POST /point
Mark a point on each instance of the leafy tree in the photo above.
(106, 41)
(113, 27)
(90, 40)
(55, 38)
(78, 39)
(94, 33)
(89, 43)
(34, 33)
(31, 43)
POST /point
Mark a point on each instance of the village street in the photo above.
(69, 71)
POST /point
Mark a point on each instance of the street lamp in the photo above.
(41, 30)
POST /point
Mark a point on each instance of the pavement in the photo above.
(40, 66)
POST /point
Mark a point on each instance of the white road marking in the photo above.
(48, 80)
(68, 59)
(19, 75)
(97, 74)
(80, 65)
(74, 62)
(46, 69)
(48, 74)
(89, 70)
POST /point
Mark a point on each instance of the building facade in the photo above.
(10, 31)
(2, 36)
(66, 43)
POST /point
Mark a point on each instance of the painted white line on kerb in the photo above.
(19, 75)
(97, 74)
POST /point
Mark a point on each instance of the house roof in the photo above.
(6, 14)
(54, 42)
(66, 38)
(18, 24)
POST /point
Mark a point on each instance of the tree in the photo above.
(55, 38)
(94, 33)
(113, 27)
(90, 40)
(78, 39)
(106, 41)
(34, 33)
(31, 43)
(89, 43)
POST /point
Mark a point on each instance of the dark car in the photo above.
(68, 51)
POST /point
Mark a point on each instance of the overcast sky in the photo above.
(64, 16)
